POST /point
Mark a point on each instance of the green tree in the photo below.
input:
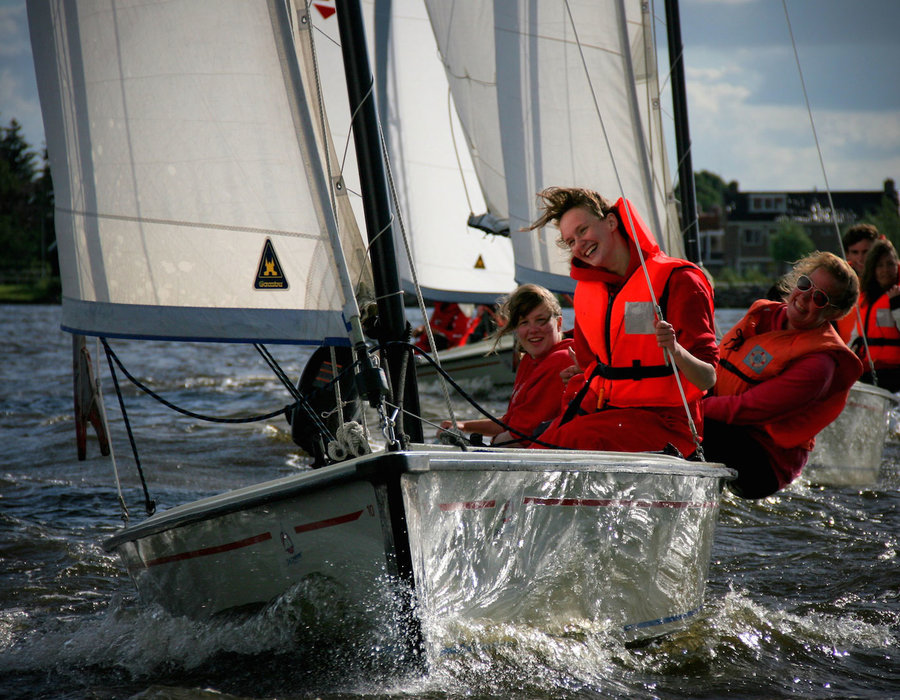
(26, 201)
(712, 191)
(789, 243)
(886, 220)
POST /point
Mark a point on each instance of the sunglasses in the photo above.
(819, 298)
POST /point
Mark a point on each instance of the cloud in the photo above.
(14, 30)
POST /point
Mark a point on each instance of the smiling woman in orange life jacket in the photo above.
(535, 316)
(633, 403)
(784, 374)
(879, 308)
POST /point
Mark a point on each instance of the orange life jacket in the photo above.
(630, 368)
(844, 326)
(881, 333)
(748, 358)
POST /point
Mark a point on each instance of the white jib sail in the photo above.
(436, 192)
(526, 90)
(191, 200)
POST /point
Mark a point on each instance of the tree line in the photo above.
(26, 207)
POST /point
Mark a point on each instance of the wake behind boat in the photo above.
(198, 199)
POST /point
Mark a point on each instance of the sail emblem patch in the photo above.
(757, 359)
(479, 264)
(269, 274)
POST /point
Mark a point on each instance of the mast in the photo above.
(377, 211)
(682, 134)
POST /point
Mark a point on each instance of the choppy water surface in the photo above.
(802, 600)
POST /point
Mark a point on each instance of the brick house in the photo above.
(738, 238)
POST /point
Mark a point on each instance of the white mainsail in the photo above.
(532, 83)
(190, 197)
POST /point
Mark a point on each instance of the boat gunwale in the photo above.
(386, 466)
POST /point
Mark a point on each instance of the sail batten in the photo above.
(183, 174)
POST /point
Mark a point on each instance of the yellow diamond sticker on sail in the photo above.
(269, 275)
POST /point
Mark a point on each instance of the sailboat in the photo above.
(199, 197)
(849, 450)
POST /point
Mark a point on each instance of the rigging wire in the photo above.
(149, 503)
(112, 454)
(669, 355)
(834, 218)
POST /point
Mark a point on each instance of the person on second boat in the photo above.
(534, 315)
(879, 308)
(624, 395)
(449, 326)
(784, 374)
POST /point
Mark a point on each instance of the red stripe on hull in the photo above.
(468, 505)
(329, 522)
(207, 551)
(605, 502)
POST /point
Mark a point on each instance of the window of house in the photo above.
(752, 237)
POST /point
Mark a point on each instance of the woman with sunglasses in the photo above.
(879, 308)
(784, 374)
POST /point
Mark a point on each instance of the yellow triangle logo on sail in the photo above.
(479, 264)
(269, 274)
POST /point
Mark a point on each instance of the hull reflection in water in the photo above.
(485, 537)
(848, 451)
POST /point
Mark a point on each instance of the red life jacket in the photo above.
(881, 333)
(748, 358)
(449, 321)
(630, 368)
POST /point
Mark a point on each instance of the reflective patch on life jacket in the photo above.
(884, 319)
(639, 318)
(757, 359)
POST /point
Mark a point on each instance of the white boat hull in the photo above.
(848, 451)
(522, 537)
(473, 363)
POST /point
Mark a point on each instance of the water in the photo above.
(803, 598)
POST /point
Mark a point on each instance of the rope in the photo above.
(837, 229)
(112, 455)
(412, 266)
(149, 503)
(462, 175)
(657, 310)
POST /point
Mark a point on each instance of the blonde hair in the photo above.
(837, 267)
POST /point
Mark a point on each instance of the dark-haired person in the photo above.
(879, 308)
(784, 374)
(857, 242)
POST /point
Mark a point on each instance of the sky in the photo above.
(748, 118)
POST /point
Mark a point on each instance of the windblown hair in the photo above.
(524, 299)
(556, 201)
(838, 268)
(869, 282)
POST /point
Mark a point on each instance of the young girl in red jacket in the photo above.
(533, 313)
